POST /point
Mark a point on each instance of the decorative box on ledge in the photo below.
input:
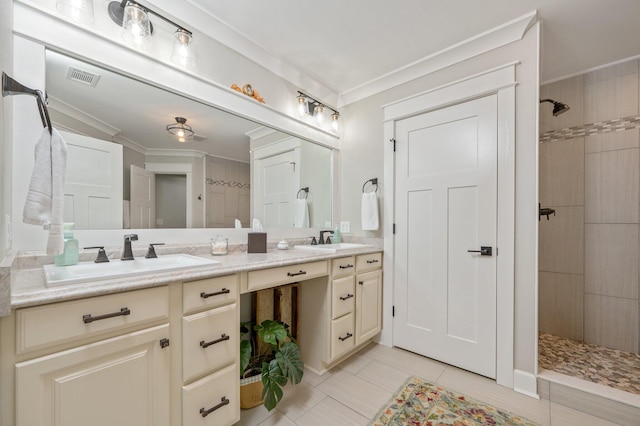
(257, 242)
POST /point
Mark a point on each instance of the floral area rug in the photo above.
(419, 403)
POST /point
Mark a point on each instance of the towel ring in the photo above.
(373, 181)
(306, 193)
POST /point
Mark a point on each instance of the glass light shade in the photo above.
(136, 28)
(182, 54)
(335, 117)
(80, 11)
(318, 113)
(302, 106)
(182, 131)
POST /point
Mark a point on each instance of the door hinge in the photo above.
(394, 228)
(394, 144)
(164, 343)
(393, 311)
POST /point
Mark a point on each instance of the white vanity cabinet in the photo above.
(210, 352)
(97, 361)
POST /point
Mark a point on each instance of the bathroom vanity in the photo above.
(163, 348)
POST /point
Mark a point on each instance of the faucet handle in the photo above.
(314, 242)
(151, 252)
(131, 237)
(102, 255)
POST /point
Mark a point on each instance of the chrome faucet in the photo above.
(322, 239)
(127, 254)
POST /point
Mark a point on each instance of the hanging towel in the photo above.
(301, 218)
(45, 199)
(369, 211)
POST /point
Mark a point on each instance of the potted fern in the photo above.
(277, 362)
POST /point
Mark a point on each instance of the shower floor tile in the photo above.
(609, 367)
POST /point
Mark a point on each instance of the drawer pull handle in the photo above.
(89, 319)
(205, 413)
(348, 296)
(372, 261)
(205, 345)
(217, 293)
(347, 266)
(293, 274)
(361, 282)
(342, 339)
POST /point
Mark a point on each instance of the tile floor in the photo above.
(353, 392)
(609, 367)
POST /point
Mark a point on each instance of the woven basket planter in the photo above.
(251, 392)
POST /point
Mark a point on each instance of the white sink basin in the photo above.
(91, 271)
(332, 248)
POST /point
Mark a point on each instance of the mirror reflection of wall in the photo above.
(213, 167)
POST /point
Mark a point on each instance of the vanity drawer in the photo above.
(342, 296)
(343, 266)
(368, 262)
(209, 341)
(273, 277)
(209, 293)
(48, 325)
(211, 393)
(342, 336)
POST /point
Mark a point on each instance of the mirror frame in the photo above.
(36, 30)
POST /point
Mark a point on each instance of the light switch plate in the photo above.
(345, 226)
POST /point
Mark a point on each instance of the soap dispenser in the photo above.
(336, 235)
(71, 248)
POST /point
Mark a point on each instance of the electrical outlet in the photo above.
(345, 227)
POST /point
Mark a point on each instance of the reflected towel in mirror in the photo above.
(45, 199)
(369, 211)
(301, 218)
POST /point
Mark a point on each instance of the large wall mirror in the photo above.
(126, 170)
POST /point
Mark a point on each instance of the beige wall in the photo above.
(590, 174)
(228, 197)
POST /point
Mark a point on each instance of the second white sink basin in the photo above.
(91, 271)
(332, 248)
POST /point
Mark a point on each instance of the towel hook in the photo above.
(373, 181)
(306, 193)
(11, 87)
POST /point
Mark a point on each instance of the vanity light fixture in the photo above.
(80, 11)
(137, 28)
(182, 131)
(308, 106)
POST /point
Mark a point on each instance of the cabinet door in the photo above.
(368, 305)
(119, 381)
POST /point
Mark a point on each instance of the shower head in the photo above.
(558, 107)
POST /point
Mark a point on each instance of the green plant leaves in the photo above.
(290, 362)
(272, 382)
(272, 332)
(245, 354)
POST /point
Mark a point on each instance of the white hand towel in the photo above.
(45, 199)
(301, 217)
(369, 211)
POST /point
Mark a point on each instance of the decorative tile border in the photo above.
(229, 183)
(614, 125)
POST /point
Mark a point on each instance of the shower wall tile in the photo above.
(611, 260)
(560, 306)
(562, 241)
(611, 92)
(612, 141)
(612, 181)
(611, 322)
(562, 173)
(570, 92)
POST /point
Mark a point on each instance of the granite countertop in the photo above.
(28, 284)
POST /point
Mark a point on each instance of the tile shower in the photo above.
(589, 251)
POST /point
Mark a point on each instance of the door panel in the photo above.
(143, 198)
(446, 205)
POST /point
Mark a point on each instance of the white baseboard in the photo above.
(525, 383)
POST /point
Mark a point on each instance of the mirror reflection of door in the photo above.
(278, 179)
(93, 183)
(143, 198)
(171, 201)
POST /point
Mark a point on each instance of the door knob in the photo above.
(484, 251)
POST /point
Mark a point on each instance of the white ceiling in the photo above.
(347, 43)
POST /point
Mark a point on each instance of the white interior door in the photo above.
(277, 181)
(93, 183)
(446, 205)
(143, 198)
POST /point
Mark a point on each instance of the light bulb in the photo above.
(334, 121)
(180, 133)
(136, 27)
(302, 106)
(182, 54)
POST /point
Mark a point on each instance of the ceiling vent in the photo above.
(81, 76)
